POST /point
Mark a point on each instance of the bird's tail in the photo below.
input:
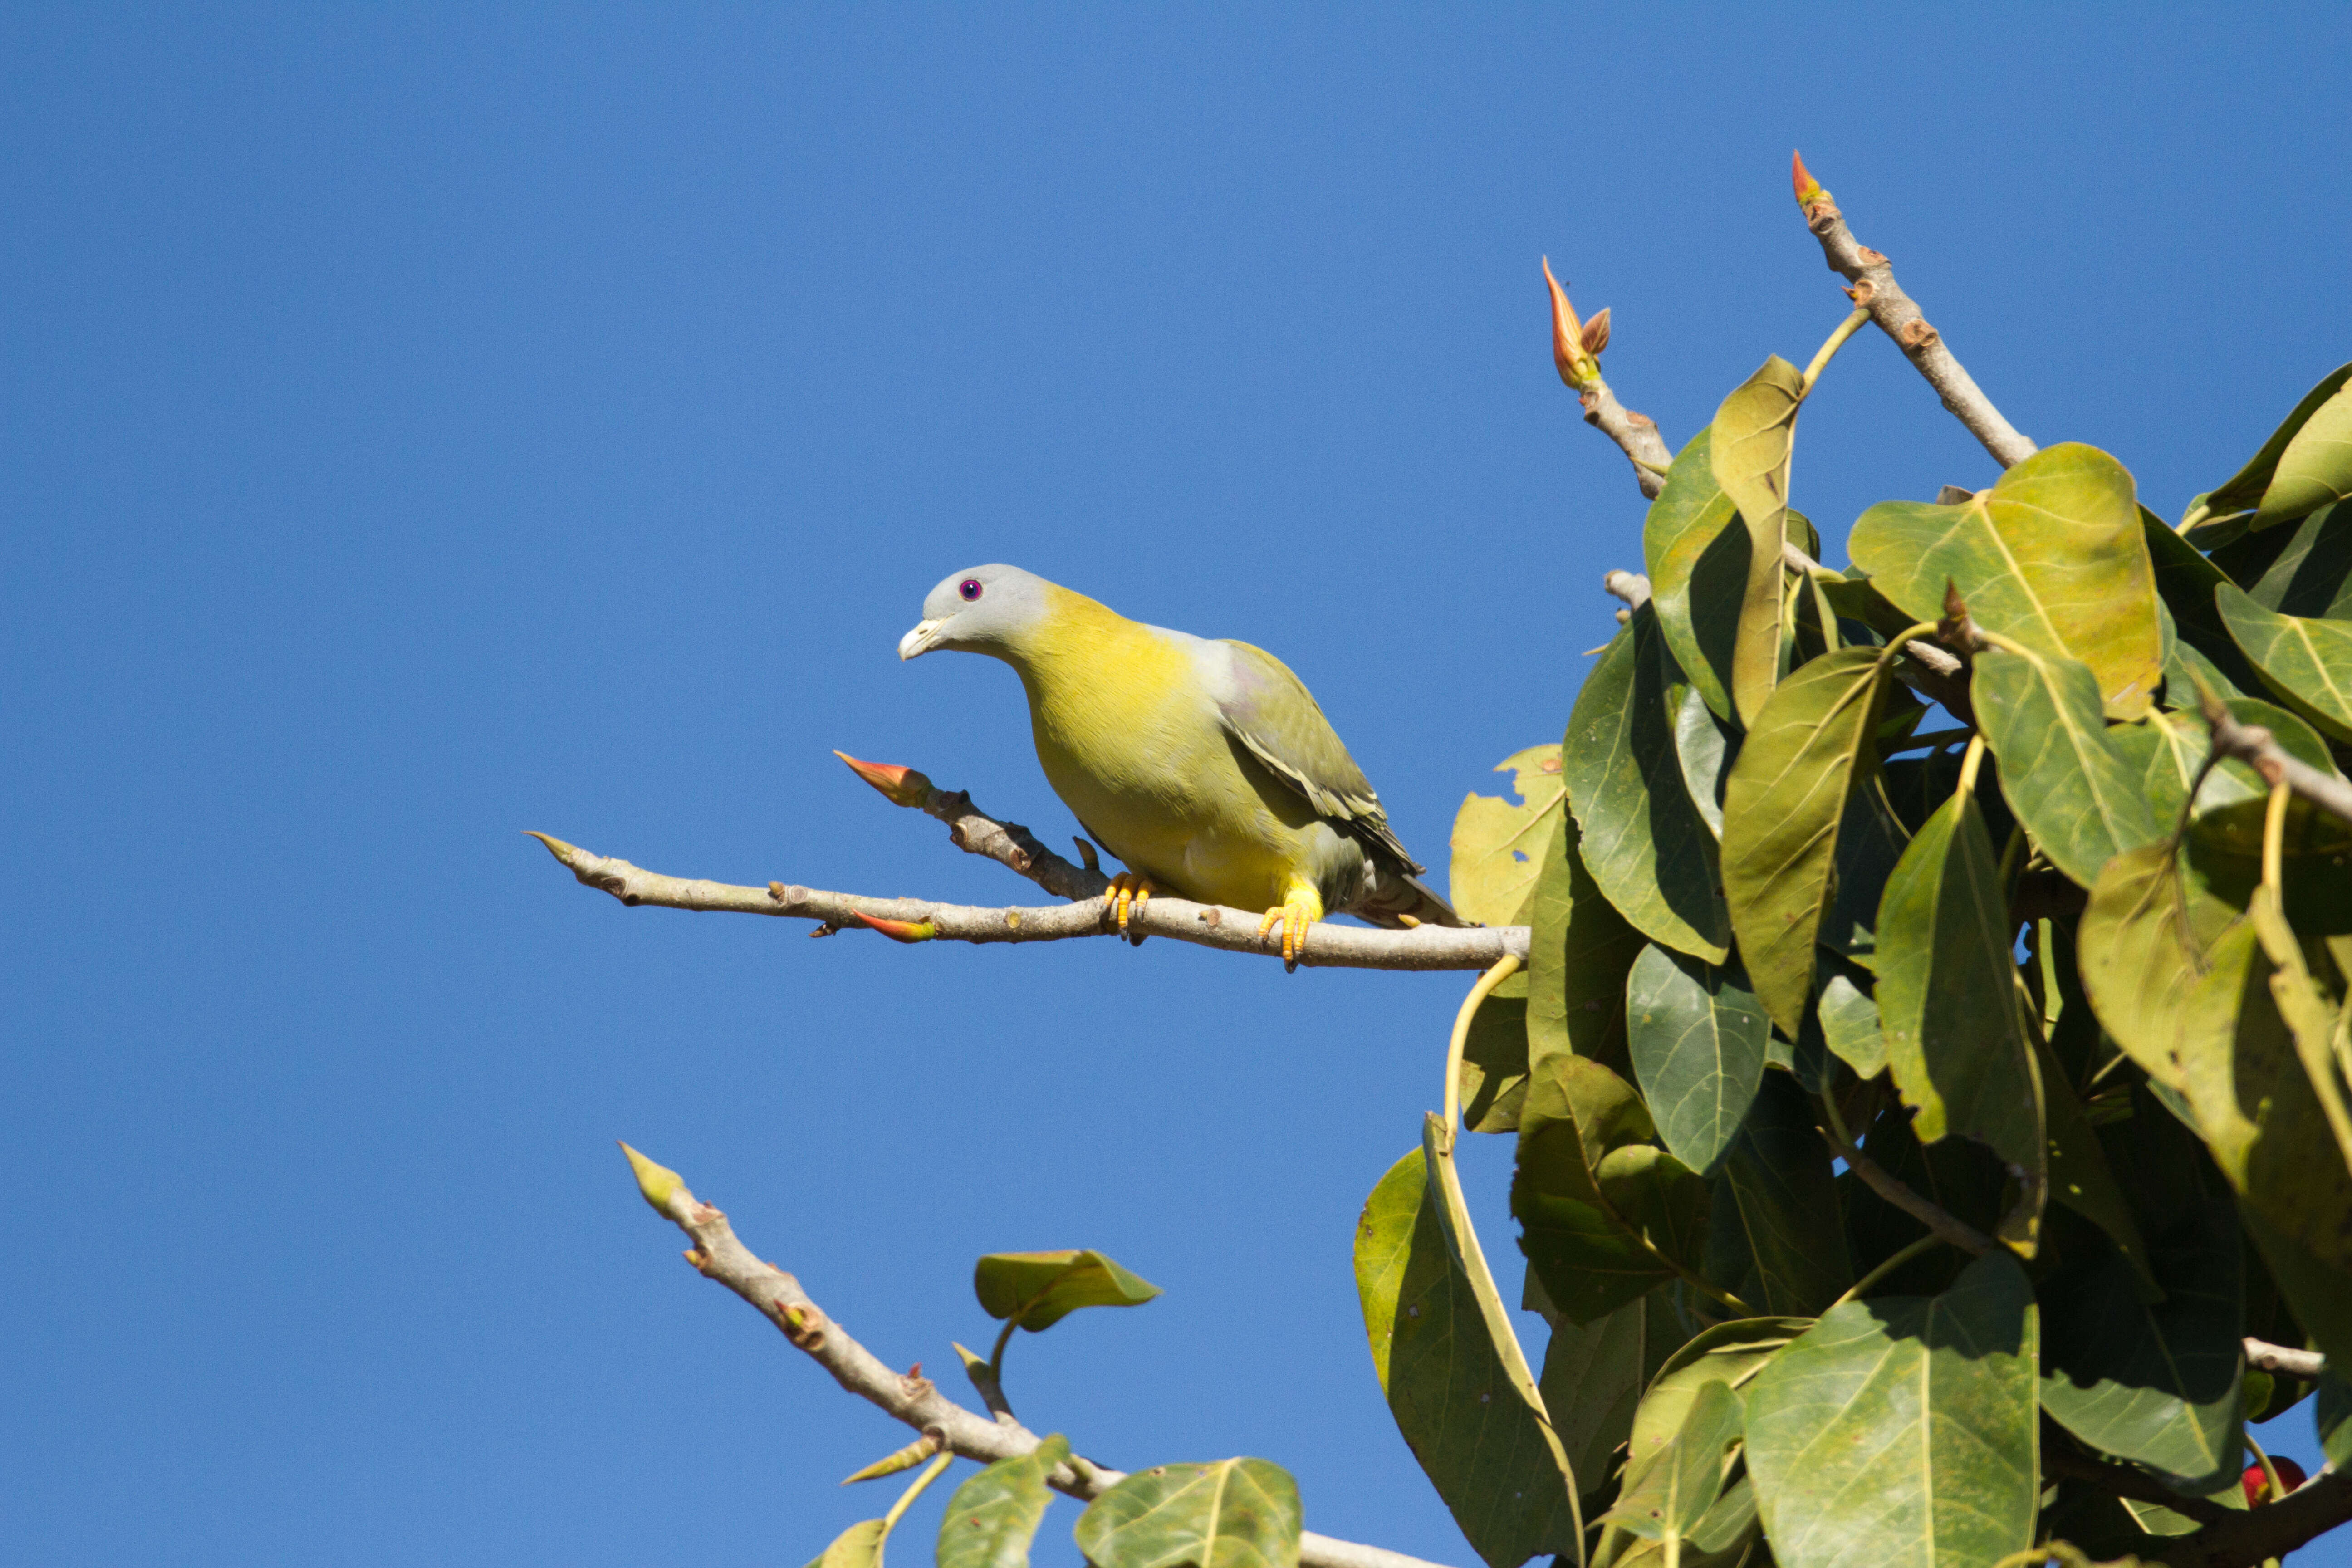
(1395, 901)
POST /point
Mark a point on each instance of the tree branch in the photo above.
(2061, 1458)
(1878, 1178)
(918, 919)
(2263, 1356)
(2258, 1534)
(1575, 349)
(975, 832)
(1873, 287)
(2254, 744)
(1934, 672)
(908, 1397)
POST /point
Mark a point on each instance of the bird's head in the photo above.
(981, 609)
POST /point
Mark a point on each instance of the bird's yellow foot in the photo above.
(1299, 909)
(1125, 895)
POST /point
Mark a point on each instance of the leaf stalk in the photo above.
(1828, 350)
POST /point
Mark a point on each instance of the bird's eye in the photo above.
(969, 588)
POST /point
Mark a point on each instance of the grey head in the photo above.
(980, 609)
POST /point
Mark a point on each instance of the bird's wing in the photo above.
(1270, 711)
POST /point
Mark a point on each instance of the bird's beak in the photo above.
(920, 639)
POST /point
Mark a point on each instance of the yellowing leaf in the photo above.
(1754, 431)
(1498, 845)
(2053, 556)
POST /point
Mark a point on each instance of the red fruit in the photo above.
(2258, 1485)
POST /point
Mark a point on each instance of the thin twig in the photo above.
(1873, 287)
(907, 1398)
(1934, 672)
(1879, 1180)
(2254, 744)
(2260, 1534)
(2061, 1458)
(919, 919)
(975, 832)
(1575, 349)
(2263, 1356)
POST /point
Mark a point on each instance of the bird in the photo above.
(1206, 766)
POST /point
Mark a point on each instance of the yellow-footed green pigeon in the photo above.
(1205, 766)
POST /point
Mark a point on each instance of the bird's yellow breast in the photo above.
(1135, 748)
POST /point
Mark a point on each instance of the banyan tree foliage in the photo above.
(1929, 1057)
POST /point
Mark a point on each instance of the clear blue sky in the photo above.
(422, 426)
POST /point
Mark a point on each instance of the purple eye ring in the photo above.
(969, 588)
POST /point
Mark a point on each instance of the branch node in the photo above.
(803, 1324)
(1916, 334)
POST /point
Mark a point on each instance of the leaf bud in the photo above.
(899, 785)
(1596, 332)
(898, 931)
(659, 1184)
(1809, 190)
(1568, 352)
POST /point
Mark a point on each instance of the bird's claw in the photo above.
(1125, 898)
(1293, 914)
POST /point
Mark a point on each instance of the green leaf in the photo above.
(2245, 1079)
(2319, 1291)
(2244, 490)
(993, 1517)
(2143, 941)
(2080, 1176)
(1592, 1380)
(1644, 843)
(1495, 1065)
(859, 1546)
(1667, 1492)
(1730, 1354)
(1698, 610)
(2307, 662)
(1604, 1215)
(2185, 580)
(1705, 746)
(2335, 1420)
(1041, 1288)
(1849, 1024)
(1806, 756)
(1234, 1514)
(2152, 1382)
(1899, 1431)
(2041, 718)
(2315, 468)
(1696, 1038)
(1771, 1236)
(1498, 845)
(1947, 1004)
(1965, 1179)
(2052, 556)
(1750, 440)
(2309, 1016)
(2167, 750)
(1870, 841)
(1579, 952)
(1487, 1451)
(2312, 575)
